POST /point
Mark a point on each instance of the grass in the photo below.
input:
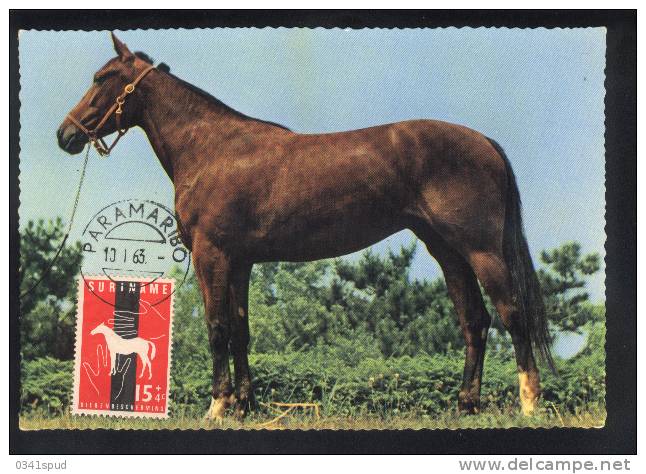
(549, 417)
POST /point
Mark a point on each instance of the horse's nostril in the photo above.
(70, 139)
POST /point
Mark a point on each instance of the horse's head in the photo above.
(95, 106)
(97, 329)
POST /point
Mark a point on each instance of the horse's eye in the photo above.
(101, 79)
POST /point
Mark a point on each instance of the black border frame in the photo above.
(620, 433)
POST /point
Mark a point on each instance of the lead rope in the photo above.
(69, 227)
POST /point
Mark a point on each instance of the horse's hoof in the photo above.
(469, 409)
(529, 392)
(528, 405)
(218, 407)
(468, 405)
(243, 406)
(240, 413)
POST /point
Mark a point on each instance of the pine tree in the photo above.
(47, 310)
(562, 283)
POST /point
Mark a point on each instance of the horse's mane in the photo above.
(202, 93)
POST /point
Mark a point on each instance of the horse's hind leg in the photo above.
(474, 319)
(145, 363)
(239, 317)
(493, 273)
(213, 272)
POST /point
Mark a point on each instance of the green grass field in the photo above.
(549, 417)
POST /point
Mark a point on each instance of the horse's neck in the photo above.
(109, 334)
(173, 115)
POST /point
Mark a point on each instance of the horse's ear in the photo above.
(122, 50)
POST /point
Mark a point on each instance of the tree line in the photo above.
(369, 306)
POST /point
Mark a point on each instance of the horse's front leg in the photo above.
(239, 316)
(213, 272)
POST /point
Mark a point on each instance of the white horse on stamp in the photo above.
(118, 345)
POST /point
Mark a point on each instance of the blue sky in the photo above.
(538, 92)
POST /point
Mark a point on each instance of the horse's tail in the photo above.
(525, 284)
(152, 354)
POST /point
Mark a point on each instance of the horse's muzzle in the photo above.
(70, 138)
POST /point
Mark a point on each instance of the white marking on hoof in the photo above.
(529, 392)
(218, 407)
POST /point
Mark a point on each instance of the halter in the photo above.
(117, 109)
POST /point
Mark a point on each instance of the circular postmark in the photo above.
(134, 238)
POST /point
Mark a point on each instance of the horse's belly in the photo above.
(317, 236)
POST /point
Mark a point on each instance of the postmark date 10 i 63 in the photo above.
(133, 238)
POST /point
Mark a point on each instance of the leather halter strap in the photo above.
(117, 109)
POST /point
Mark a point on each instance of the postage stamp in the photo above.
(332, 218)
(123, 347)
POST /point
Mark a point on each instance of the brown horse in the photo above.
(250, 191)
